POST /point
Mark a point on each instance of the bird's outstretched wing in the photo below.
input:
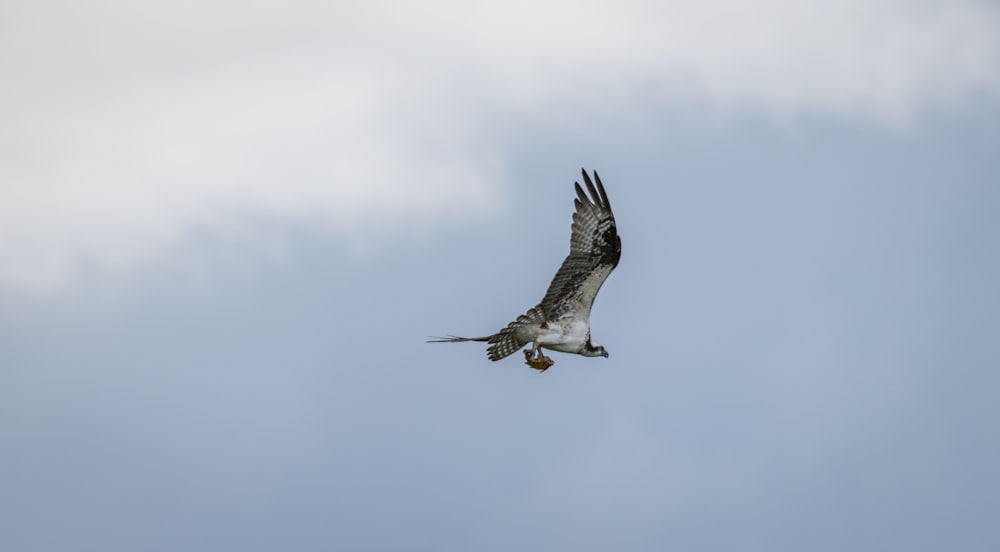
(594, 250)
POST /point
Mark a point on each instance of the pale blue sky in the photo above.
(220, 259)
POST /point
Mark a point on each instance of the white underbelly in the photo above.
(568, 337)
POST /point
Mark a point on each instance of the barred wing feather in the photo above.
(594, 250)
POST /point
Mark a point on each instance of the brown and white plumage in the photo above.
(561, 322)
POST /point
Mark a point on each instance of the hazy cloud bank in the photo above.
(126, 127)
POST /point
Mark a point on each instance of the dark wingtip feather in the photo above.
(583, 197)
(590, 186)
(604, 195)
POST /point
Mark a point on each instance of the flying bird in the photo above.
(561, 322)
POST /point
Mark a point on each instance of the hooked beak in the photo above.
(604, 354)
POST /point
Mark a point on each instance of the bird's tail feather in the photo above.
(455, 339)
(506, 342)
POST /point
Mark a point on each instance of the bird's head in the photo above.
(593, 350)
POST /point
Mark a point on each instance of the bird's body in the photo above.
(565, 336)
(561, 322)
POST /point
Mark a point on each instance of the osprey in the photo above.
(561, 322)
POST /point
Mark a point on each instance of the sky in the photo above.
(227, 230)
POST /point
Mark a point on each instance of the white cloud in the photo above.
(126, 125)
